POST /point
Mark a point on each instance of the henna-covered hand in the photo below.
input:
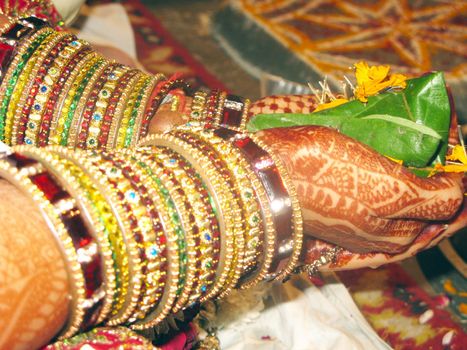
(353, 197)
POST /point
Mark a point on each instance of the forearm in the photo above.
(167, 228)
(58, 90)
(34, 284)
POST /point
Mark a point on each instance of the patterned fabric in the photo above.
(401, 312)
(305, 41)
(159, 52)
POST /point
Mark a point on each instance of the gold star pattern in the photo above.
(331, 35)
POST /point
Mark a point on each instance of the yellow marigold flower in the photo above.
(373, 79)
(457, 154)
(334, 103)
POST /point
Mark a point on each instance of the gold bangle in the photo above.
(151, 225)
(197, 106)
(120, 118)
(297, 219)
(205, 218)
(15, 119)
(72, 138)
(66, 97)
(243, 179)
(20, 178)
(107, 223)
(246, 108)
(145, 100)
(37, 129)
(220, 106)
(101, 105)
(269, 238)
(69, 182)
(236, 206)
(76, 100)
(128, 200)
(188, 224)
(131, 109)
(221, 197)
(99, 174)
(171, 286)
(23, 54)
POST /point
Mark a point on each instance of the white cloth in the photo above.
(107, 25)
(300, 316)
(68, 9)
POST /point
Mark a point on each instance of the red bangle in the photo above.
(58, 87)
(110, 110)
(233, 111)
(33, 91)
(78, 231)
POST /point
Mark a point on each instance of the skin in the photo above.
(387, 223)
(350, 195)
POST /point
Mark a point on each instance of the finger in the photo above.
(347, 260)
(350, 194)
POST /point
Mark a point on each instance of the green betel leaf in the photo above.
(411, 125)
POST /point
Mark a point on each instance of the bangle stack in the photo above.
(219, 109)
(55, 90)
(188, 216)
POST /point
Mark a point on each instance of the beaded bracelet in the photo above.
(244, 182)
(102, 295)
(27, 88)
(127, 254)
(205, 217)
(282, 200)
(221, 197)
(10, 78)
(77, 71)
(236, 205)
(150, 225)
(76, 100)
